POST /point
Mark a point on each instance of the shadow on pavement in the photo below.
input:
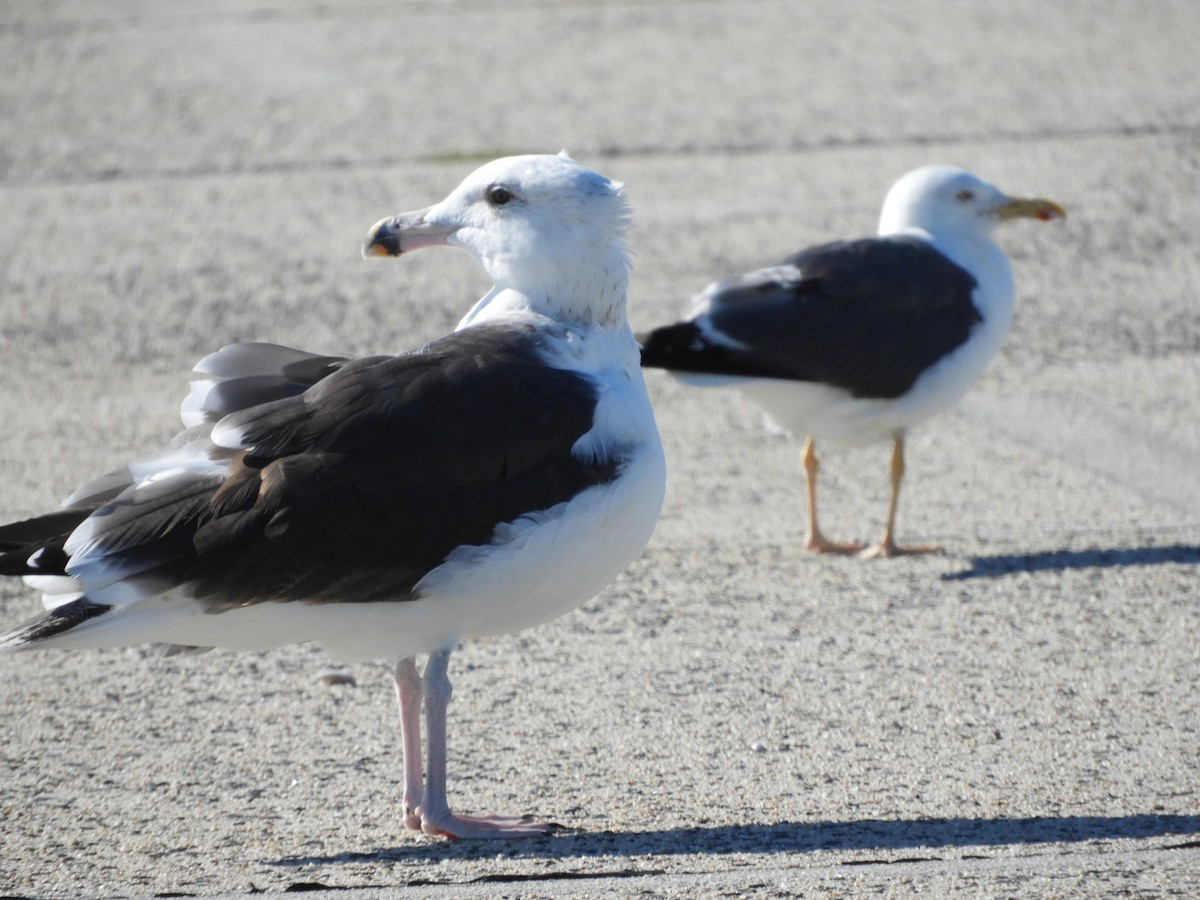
(789, 837)
(1058, 560)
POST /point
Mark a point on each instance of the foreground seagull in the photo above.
(855, 341)
(392, 505)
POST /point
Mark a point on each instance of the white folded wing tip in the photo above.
(193, 411)
(214, 362)
(226, 434)
(57, 590)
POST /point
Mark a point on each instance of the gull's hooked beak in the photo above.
(1030, 208)
(404, 233)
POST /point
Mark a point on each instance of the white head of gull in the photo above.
(548, 232)
(855, 341)
(394, 505)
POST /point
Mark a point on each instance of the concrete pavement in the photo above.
(1015, 717)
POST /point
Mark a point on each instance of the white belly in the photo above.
(546, 565)
(832, 414)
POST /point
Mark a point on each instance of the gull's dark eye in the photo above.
(965, 195)
(498, 196)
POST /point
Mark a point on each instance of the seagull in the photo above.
(389, 506)
(855, 341)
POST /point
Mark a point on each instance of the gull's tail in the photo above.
(40, 630)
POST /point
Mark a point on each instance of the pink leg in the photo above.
(409, 694)
(436, 817)
(813, 539)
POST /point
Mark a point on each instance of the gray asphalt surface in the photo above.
(1017, 716)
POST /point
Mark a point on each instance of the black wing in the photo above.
(43, 535)
(235, 377)
(867, 316)
(355, 489)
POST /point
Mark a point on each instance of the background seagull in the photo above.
(854, 341)
(392, 505)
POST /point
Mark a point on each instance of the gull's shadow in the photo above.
(1058, 560)
(786, 837)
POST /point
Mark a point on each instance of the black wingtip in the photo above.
(35, 546)
(50, 559)
(33, 533)
(668, 347)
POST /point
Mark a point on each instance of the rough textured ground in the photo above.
(1015, 717)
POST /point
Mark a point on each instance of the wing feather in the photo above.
(356, 488)
(869, 316)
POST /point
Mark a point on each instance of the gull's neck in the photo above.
(582, 294)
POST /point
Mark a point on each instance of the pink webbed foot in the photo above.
(433, 812)
(456, 827)
(818, 543)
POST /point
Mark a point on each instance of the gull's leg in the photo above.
(436, 817)
(813, 539)
(887, 545)
(409, 693)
